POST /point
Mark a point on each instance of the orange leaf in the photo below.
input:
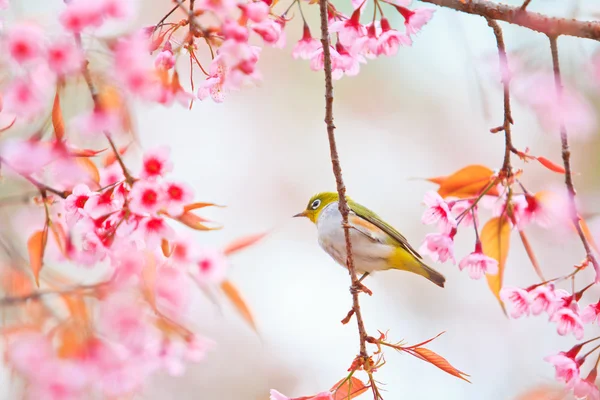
(234, 296)
(111, 157)
(58, 232)
(551, 165)
(164, 246)
(36, 245)
(195, 222)
(85, 152)
(588, 234)
(495, 240)
(195, 206)
(440, 362)
(531, 254)
(243, 242)
(57, 118)
(90, 168)
(347, 389)
(466, 182)
(149, 279)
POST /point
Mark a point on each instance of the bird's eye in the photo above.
(315, 204)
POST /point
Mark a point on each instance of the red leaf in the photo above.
(347, 389)
(466, 182)
(195, 222)
(551, 165)
(195, 206)
(111, 157)
(57, 118)
(166, 249)
(35, 246)
(85, 152)
(89, 167)
(439, 361)
(234, 296)
(243, 242)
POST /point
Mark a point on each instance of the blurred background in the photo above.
(425, 112)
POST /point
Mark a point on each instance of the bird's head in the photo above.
(316, 204)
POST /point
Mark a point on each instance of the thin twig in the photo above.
(514, 15)
(566, 156)
(505, 75)
(337, 171)
(15, 300)
(167, 15)
(525, 4)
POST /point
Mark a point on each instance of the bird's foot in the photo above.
(359, 287)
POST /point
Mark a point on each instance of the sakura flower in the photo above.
(156, 163)
(197, 348)
(439, 246)
(269, 30)
(74, 204)
(82, 14)
(121, 319)
(59, 379)
(111, 175)
(414, 20)
(146, 198)
(591, 313)
(183, 250)
(234, 31)
(221, 8)
(520, 299)
(24, 43)
(459, 207)
(305, 46)
(567, 369)
(438, 212)
(256, 11)
(478, 265)
(275, 395)
(26, 157)
(367, 45)
(64, 57)
(176, 196)
(568, 321)
(530, 208)
(587, 388)
(155, 229)
(391, 39)
(133, 66)
(210, 267)
(118, 9)
(172, 290)
(165, 60)
(24, 98)
(97, 121)
(346, 63)
(350, 29)
(4, 4)
(102, 204)
(128, 264)
(28, 351)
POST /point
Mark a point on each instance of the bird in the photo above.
(376, 245)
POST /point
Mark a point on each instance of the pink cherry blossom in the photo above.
(133, 66)
(545, 298)
(111, 175)
(25, 43)
(591, 313)
(82, 14)
(234, 31)
(350, 29)
(367, 45)
(59, 379)
(256, 11)
(438, 212)
(29, 350)
(183, 250)
(390, 39)
(459, 207)
(270, 31)
(519, 299)
(567, 369)
(439, 246)
(211, 266)
(165, 60)
(528, 209)
(146, 198)
(26, 157)
(24, 98)
(587, 388)
(176, 195)
(275, 395)
(4, 4)
(118, 9)
(221, 8)
(156, 163)
(64, 57)
(197, 347)
(305, 46)
(172, 290)
(478, 265)
(214, 84)
(414, 20)
(102, 204)
(346, 63)
(568, 321)
(155, 229)
(74, 204)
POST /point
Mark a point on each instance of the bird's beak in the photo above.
(302, 214)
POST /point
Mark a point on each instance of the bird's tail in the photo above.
(404, 260)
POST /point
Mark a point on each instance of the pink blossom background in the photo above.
(425, 112)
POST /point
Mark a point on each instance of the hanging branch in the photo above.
(566, 156)
(337, 171)
(550, 26)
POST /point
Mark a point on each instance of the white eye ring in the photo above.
(315, 204)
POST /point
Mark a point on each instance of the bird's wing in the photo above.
(370, 217)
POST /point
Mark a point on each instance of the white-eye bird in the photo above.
(376, 246)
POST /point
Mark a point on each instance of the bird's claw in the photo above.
(359, 287)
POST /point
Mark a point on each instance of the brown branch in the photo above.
(566, 156)
(15, 300)
(550, 26)
(525, 4)
(337, 171)
(505, 75)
